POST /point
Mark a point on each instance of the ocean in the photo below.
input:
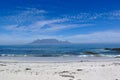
(63, 50)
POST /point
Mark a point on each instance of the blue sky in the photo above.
(79, 21)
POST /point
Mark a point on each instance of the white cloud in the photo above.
(106, 15)
(11, 39)
(32, 19)
(38, 23)
(115, 15)
(27, 15)
(57, 27)
(97, 37)
(47, 22)
(15, 28)
(87, 17)
(52, 25)
(35, 26)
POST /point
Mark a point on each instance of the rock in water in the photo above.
(91, 53)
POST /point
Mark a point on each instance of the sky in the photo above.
(78, 21)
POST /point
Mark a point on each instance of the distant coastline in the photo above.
(48, 41)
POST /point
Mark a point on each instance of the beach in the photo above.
(59, 39)
(69, 70)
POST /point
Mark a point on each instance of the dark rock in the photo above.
(112, 49)
(116, 64)
(3, 65)
(117, 57)
(79, 69)
(91, 53)
(107, 48)
(28, 69)
(103, 65)
(67, 76)
(64, 72)
(116, 49)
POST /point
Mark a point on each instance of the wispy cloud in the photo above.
(29, 16)
(111, 15)
(46, 26)
(24, 16)
(32, 19)
(57, 27)
(39, 25)
(34, 26)
(88, 17)
(115, 15)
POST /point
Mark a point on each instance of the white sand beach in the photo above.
(85, 70)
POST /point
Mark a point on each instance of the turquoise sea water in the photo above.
(58, 50)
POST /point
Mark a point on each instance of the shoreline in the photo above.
(58, 59)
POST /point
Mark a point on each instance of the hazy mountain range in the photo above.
(49, 41)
